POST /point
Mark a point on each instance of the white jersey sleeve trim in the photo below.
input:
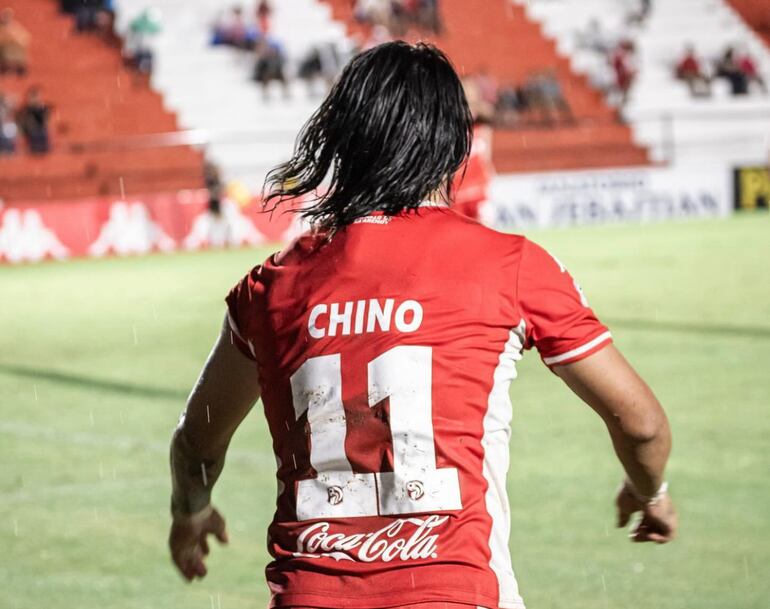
(234, 328)
(578, 350)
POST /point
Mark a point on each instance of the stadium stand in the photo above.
(95, 100)
(211, 89)
(503, 40)
(675, 125)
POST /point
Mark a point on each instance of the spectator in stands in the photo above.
(8, 129)
(545, 96)
(14, 42)
(234, 30)
(727, 67)
(87, 14)
(510, 103)
(482, 110)
(488, 87)
(690, 71)
(138, 48)
(623, 62)
(323, 62)
(69, 6)
(594, 38)
(429, 16)
(264, 16)
(640, 12)
(376, 12)
(32, 119)
(749, 68)
(270, 65)
(400, 15)
(213, 180)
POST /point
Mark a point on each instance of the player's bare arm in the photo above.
(226, 390)
(640, 434)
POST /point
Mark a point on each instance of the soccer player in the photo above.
(383, 343)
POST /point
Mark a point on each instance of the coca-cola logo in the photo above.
(402, 539)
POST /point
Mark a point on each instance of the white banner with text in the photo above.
(636, 195)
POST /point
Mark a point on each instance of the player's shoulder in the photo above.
(482, 229)
(511, 252)
(298, 250)
(471, 232)
(263, 274)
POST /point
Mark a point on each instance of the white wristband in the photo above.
(195, 518)
(647, 500)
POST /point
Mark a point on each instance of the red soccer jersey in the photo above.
(385, 357)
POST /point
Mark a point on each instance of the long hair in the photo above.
(394, 129)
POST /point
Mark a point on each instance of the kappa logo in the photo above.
(335, 495)
(25, 238)
(393, 542)
(415, 490)
(230, 227)
(130, 230)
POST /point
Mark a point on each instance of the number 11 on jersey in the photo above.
(415, 485)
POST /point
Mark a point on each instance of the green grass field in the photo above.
(98, 356)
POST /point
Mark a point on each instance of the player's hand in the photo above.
(188, 540)
(658, 522)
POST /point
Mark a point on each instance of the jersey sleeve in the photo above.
(557, 318)
(242, 311)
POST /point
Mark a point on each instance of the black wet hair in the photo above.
(394, 129)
